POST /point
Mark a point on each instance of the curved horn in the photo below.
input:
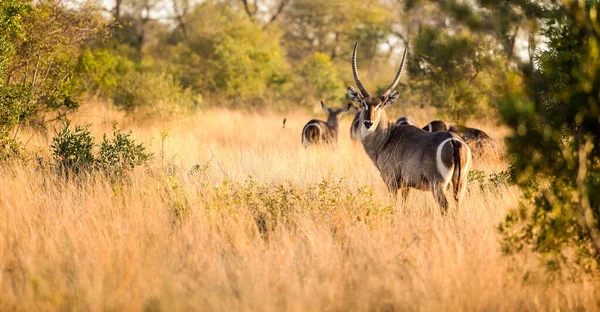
(397, 78)
(355, 74)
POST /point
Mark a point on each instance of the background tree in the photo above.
(40, 47)
(556, 121)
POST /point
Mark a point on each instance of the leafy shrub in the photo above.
(9, 147)
(14, 104)
(276, 205)
(493, 181)
(11, 23)
(322, 78)
(100, 71)
(228, 55)
(142, 88)
(14, 109)
(152, 93)
(39, 54)
(120, 153)
(454, 69)
(73, 151)
(476, 176)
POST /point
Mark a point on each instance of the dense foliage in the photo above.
(39, 47)
(556, 147)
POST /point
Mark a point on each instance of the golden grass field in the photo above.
(260, 224)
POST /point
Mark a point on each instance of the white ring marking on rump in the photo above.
(444, 171)
(311, 124)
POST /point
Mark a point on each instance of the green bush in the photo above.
(120, 153)
(38, 49)
(11, 23)
(276, 204)
(100, 71)
(322, 78)
(152, 93)
(493, 181)
(15, 108)
(14, 101)
(42, 52)
(456, 72)
(555, 144)
(227, 55)
(73, 151)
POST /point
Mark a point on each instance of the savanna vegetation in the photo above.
(144, 164)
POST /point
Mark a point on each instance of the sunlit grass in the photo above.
(234, 214)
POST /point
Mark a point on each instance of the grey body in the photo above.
(406, 156)
(407, 121)
(320, 132)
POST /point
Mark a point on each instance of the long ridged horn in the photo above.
(397, 78)
(355, 74)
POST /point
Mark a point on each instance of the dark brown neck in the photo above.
(333, 121)
(374, 141)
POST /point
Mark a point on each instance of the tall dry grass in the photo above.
(233, 214)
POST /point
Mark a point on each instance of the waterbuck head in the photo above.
(372, 108)
(334, 113)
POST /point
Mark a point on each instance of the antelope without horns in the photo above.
(407, 121)
(468, 134)
(321, 132)
(355, 125)
(408, 157)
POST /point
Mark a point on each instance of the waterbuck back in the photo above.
(437, 126)
(407, 121)
(477, 139)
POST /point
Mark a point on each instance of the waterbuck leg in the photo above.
(393, 190)
(404, 193)
(456, 192)
(392, 185)
(440, 196)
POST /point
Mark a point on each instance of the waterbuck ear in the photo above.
(391, 98)
(324, 107)
(345, 110)
(354, 95)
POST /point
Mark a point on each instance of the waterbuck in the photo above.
(437, 126)
(407, 121)
(355, 126)
(318, 131)
(469, 135)
(408, 156)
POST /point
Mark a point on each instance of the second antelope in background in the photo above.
(355, 126)
(473, 136)
(407, 156)
(407, 121)
(319, 132)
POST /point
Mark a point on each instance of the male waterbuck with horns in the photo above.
(408, 156)
(318, 131)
